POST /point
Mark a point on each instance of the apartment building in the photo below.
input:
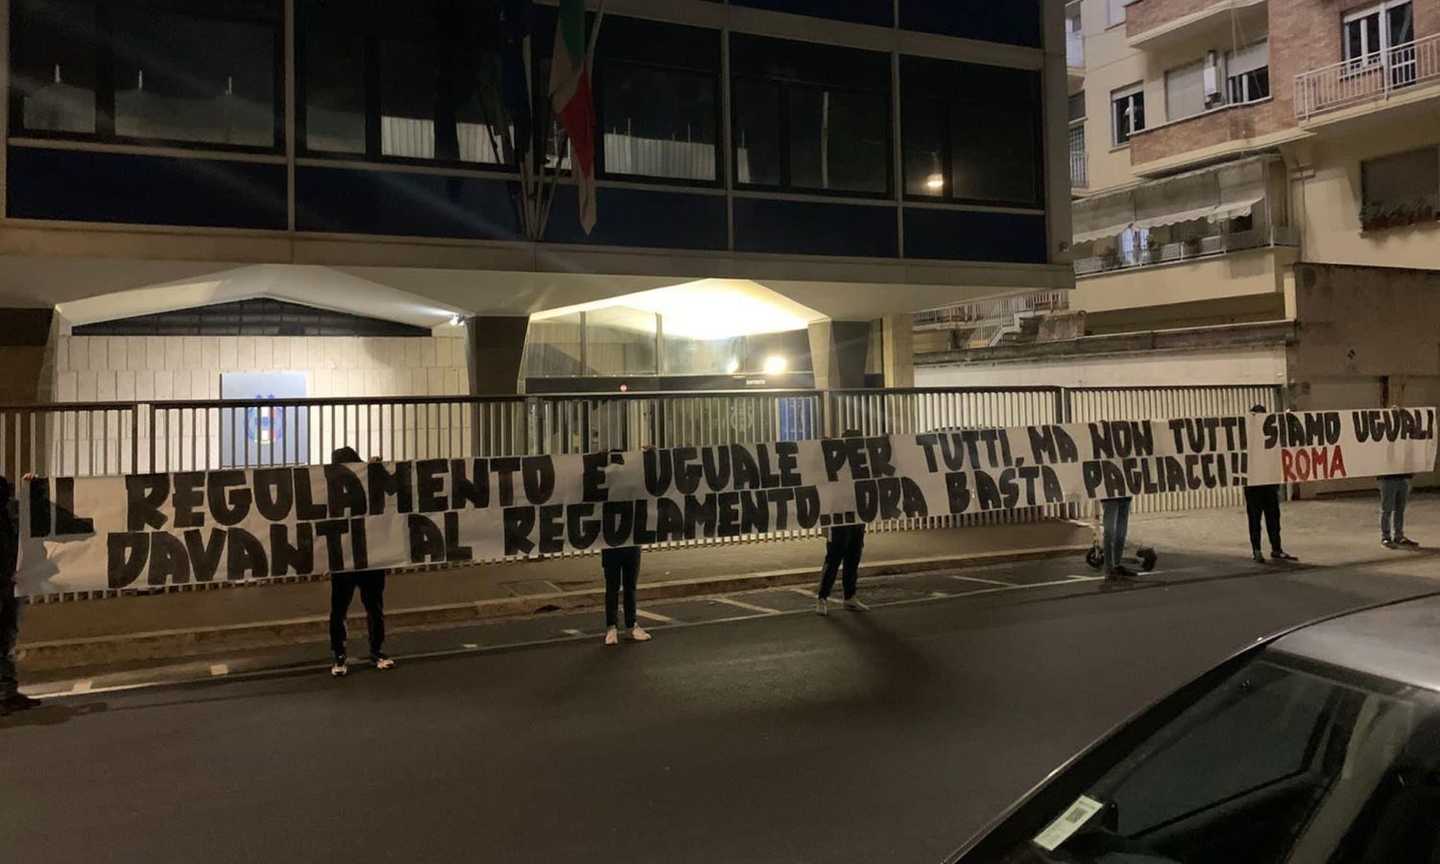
(1256, 184)
(194, 189)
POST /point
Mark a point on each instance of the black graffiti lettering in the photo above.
(970, 440)
(285, 557)
(144, 493)
(728, 514)
(957, 489)
(1094, 476)
(952, 450)
(1009, 488)
(770, 476)
(583, 527)
(1192, 473)
(126, 557)
(716, 462)
(505, 470)
(1043, 445)
(466, 491)
(1270, 428)
(205, 549)
(987, 492)
(754, 512)
(185, 499)
(687, 471)
(747, 472)
(1050, 481)
(333, 530)
(519, 523)
(41, 511)
(1232, 427)
(383, 484)
(230, 498)
(430, 485)
(617, 521)
(307, 509)
(928, 443)
(538, 475)
(245, 558)
(699, 516)
(834, 453)
(592, 476)
(427, 541)
(867, 500)
(1207, 470)
(274, 494)
(788, 461)
(669, 519)
(67, 524)
(881, 454)
(359, 553)
(644, 535)
(807, 507)
(781, 499)
(551, 520)
(345, 492)
(169, 565)
(657, 467)
(1174, 474)
(1028, 474)
(988, 437)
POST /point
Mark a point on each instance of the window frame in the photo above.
(786, 184)
(1114, 18)
(372, 87)
(1380, 54)
(104, 55)
(602, 171)
(948, 108)
(1128, 93)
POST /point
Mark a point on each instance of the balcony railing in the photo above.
(1374, 76)
(1079, 170)
(1189, 250)
(1074, 50)
(994, 311)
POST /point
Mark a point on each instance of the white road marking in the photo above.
(655, 616)
(218, 669)
(741, 604)
(83, 685)
(940, 595)
(470, 645)
(804, 592)
(572, 632)
(978, 579)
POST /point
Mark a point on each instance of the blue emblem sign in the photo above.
(254, 434)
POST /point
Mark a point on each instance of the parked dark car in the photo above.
(1319, 746)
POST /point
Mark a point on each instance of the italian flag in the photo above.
(571, 101)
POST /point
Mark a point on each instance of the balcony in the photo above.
(1155, 24)
(1402, 70)
(1189, 250)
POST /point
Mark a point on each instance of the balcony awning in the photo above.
(1212, 194)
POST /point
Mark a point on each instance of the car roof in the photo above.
(1399, 641)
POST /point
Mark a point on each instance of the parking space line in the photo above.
(571, 631)
(741, 604)
(655, 616)
(83, 685)
(939, 595)
(471, 645)
(805, 592)
(978, 579)
(218, 669)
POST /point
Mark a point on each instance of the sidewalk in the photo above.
(171, 626)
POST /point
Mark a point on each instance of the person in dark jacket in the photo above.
(843, 550)
(11, 699)
(1394, 496)
(1115, 522)
(372, 594)
(1263, 503)
(621, 566)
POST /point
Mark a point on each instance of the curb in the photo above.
(171, 645)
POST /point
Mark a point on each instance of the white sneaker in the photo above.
(822, 606)
(384, 663)
(612, 636)
(338, 669)
(638, 634)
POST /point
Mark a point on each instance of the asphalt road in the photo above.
(887, 735)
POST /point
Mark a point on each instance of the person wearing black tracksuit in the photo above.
(622, 570)
(1262, 503)
(843, 550)
(372, 595)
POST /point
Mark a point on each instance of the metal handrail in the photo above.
(1376, 75)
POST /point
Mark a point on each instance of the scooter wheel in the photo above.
(1147, 557)
(1095, 557)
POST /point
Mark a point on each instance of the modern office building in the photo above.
(334, 188)
(1257, 184)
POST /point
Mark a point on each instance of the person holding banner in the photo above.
(11, 699)
(621, 567)
(1115, 517)
(843, 550)
(1263, 503)
(1394, 496)
(372, 595)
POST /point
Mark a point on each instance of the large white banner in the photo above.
(153, 530)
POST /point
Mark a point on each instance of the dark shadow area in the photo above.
(52, 714)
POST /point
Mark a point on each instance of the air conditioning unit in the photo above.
(1213, 94)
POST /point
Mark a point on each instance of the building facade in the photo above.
(804, 170)
(1257, 185)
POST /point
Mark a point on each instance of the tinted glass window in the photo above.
(54, 67)
(335, 92)
(972, 132)
(179, 77)
(826, 109)
(1016, 22)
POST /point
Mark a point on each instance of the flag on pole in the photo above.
(570, 99)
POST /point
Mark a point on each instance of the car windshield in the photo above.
(1284, 761)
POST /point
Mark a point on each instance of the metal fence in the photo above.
(1377, 75)
(97, 439)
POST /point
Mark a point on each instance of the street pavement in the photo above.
(749, 730)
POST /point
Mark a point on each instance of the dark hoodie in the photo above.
(345, 456)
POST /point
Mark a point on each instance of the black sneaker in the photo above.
(1387, 543)
(1120, 572)
(1258, 556)
(1407, 543)
(1282, 555)
(21, 702)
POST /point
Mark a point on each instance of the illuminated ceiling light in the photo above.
(935, 182)
(775, 365)
(732, 367)
(456, 320)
